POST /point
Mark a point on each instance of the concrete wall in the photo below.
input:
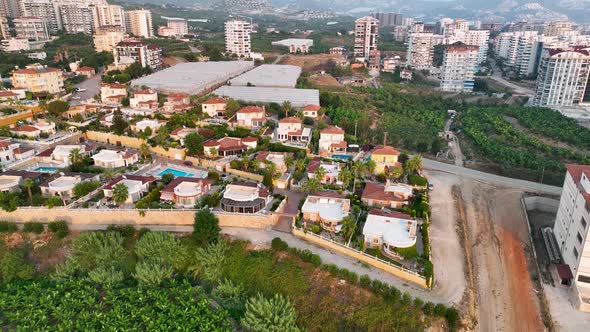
(133, 142)
(243, 174)
(133, 217)
(541, 203)
(380, 264)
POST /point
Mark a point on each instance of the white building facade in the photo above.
(237, 38)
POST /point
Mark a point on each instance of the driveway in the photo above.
(92, 86)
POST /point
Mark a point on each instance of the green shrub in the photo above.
(279, 245)
(453, 318)
(440, 309)
(406, 299)
(127, 231)
(365, 281)
(33, 227)
(316, 229)
(142, 231)
(425, 240)
(59, 228)
(393, 295)
(8, 227)
(309, 257)
(417, 180)
(428, 271)
(418, 303)
(428, 308)
(376, 286)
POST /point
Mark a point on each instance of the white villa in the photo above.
(251, 117)
(388, 230)
(291, 129)
(326, 208)
(136, 185)
(332, 140)
(244, 197)
(144, 99)
(112, 93)
(331, 170)
(11, 152)
(277, 158)
(214, 107)
(114, 159)
(60, 154)
(141, 125)
(63, 185)
(185, 192)
(35, 129)
(10, 180)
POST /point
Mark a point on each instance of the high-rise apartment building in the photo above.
(420, 50)
(366, 34)
(76, 17)
(4, 28)
(479, 38)
(563, 77)
(388, 19)
(178, 26)
(557, 28)
(107, 37)
(31, 28)
(571, 231)
(37, 79)
(146, 55)
(9, 8)
(458, 69)
(108, 15)
(237, 38)
(44, 9)
(139, 23)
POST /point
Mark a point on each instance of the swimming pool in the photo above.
(45, 169)
(342, 156)
(175, 172)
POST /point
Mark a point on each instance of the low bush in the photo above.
(452, 316)
(59, 228)
(33, 227)
(365, 281)
(417, 180)
(127, 231)
(279, 245)
(8, 227)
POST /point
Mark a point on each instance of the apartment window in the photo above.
(584, 223)
(576, 253)
(579, 237)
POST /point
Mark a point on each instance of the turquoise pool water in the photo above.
(342, 156)
(45, 169)
(175, 172)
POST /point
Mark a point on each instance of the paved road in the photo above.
(491, 178)
(497, 76)
(92, 86)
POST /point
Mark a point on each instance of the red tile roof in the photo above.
(332, 130)
(36, 70)
(329, 194)
(312, 108)
(391, 214)
(46, 153)
(85, 68)
(26, 128)
(178, 180)
(377, 191)
(7, 93)
(250, 139)
(215, 100)
(144, 92)
(114, 85)
(385, 150)
(226, 144)
(341, 145)
(290, 119)
(576, 172)
(251, 109)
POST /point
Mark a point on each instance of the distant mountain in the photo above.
(484, 10)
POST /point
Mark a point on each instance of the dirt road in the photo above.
(497, 292)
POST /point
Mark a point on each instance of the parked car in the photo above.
(80, 89)
(188, 163)
(430, 186)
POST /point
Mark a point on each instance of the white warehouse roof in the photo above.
(193, 77)
(297, 42)
(269, 75)
(297, 97)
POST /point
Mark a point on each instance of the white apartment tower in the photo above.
(9, 8)
(4, 28)
(420, 50)
(108, 15)
(107, 37)
(76, 17)
(562, 77)
(31, 28)
(571, 230)
(179, 26)
(139, 23)
(458, 69)
(44, 9)
(366, 34)
(237, 38)
(479, 38)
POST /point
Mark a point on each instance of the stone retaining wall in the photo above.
(541, 203)
(380, 264)
(133, 217)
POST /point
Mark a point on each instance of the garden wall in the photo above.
(378, 263)
(247, 175)
(541, 203)
(133, 217)
(133, 142)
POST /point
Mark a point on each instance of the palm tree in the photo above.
(287, 107)
(311, 185)
(344, 176)
(395, 172)
(300, 165)
(320, 174)
(348, 228)
(109, 173)
(28, 184)
(414, 164)
(76, 156)
(144, 150)
(358, 169)
(270, 314)
(371, 165)
(288, 161)
(120, 193)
